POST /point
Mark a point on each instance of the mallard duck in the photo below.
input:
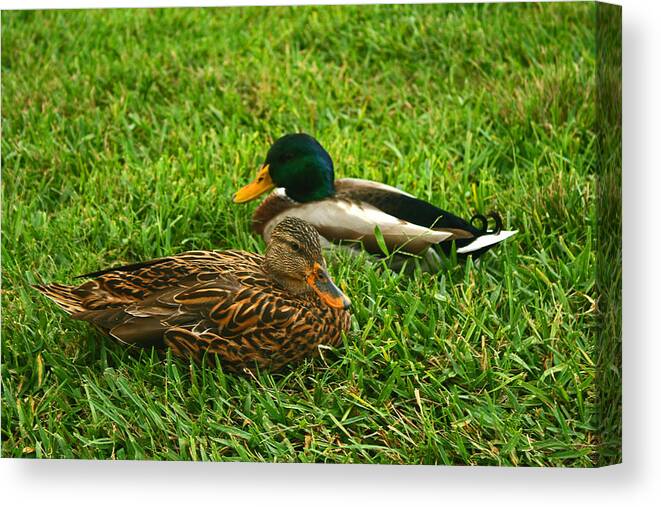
(302, 173)
(251, 310)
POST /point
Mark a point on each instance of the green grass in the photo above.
(124, 135)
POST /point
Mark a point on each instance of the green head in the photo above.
(297, 163)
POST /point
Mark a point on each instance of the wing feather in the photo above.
(349, 220)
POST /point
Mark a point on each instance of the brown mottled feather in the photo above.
(199, 302)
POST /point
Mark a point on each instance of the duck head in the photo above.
(297, 163)
(293, 259)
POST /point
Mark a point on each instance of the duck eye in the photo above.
(294, 246)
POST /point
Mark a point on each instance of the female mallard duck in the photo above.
(349, 209)
(251, 310)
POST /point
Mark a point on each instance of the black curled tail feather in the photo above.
(498, 222)
(483, 223)
(483, 227)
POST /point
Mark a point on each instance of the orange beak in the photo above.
(262, 183)
(322, 284)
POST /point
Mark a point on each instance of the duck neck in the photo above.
(310, 191)
(307, 179)
(294, 285)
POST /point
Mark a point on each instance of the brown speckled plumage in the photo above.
(226, 303)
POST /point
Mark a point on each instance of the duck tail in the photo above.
(486, 238)
(63, 295)
(484, 223)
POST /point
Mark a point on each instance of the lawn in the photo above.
(124, 135)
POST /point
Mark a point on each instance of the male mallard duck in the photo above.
(249, 309)
(349, 209)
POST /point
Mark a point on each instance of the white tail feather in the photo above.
(486, 240)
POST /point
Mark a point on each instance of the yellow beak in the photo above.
(262, 183)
